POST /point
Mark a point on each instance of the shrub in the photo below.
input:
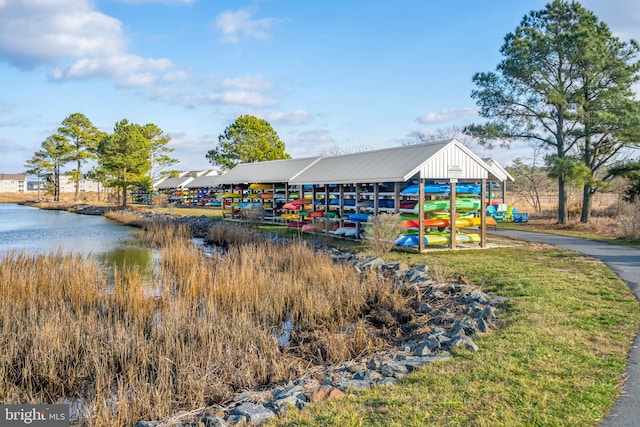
(381, 236)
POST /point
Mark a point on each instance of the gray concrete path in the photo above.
(625, 263)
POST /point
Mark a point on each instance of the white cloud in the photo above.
(244, 98)
(237, 25)
(247, 83)
(33, 32)
(78, 41)
(176, 76)
(297, 117)
(129, 70)
(446, 115)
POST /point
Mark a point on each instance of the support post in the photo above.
(504, 191)
(376, 196)
(483, 215)
(452, 213)
(396, 197)
(420, 215)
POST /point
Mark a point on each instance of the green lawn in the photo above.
(557, 357)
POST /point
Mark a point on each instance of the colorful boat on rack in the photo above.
(229, 195)
(461, 188)
(436, 239)
(300, 202)
(261, 187)
(446, 222)
(359, 217)
(290, 216)
(312, 227)
(436, 222)
(444, 205)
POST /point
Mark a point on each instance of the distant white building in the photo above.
(68, 185)
(13, 182)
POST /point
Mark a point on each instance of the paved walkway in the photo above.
(625, 263)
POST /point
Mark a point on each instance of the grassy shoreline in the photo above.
(557, 359)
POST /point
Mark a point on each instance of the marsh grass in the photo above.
(128, 217)
(381, 236)
(204, 330)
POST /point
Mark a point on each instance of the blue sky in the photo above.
(325, 74)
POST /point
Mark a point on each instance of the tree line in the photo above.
(565, 84)
(132, 155)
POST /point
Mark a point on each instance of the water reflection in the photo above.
(129, 256)
(33, 230)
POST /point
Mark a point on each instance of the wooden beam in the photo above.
(420, 215)
(452, 213)
(396, 197)
(483, 214)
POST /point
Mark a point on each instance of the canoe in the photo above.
(311, 227)
(299, 202)
(316, 214)
(352, 232)
(290, 216)
(346, 202)
(290, 207)
(228, 195)
(267, 195)
(444, 205)
(412, 190)
(359, 217)
(445, 222)
(436, 239)
(344, 231)
(474, 222)
(408, 204)
(261, 186)
(413, 223)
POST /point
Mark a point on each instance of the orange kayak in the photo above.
(445, 222)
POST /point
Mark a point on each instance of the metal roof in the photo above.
(13, 176)
(168, 183)
(273, 171)
(497, 172)
(437, 160)
(205, 181)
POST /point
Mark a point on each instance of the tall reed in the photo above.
(128, 352)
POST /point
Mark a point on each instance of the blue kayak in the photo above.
(412, 190)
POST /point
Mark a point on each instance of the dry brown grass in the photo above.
(611, 217)
(203, 330)
(384, 231)
(17, 197)
(84, 197)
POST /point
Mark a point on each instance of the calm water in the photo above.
(24, 228)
